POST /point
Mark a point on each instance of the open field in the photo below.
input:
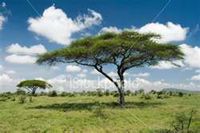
(93, 114)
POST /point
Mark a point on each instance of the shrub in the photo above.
(43, 94)
(52, 93)
(13, 98)
(128, 93)
(98, 110)
(146, 96)
(182, 122)
(153, 92)
(180, 94)
(30, 99)
(159, 96)
(20, 92)
(107, 92)
(22, 99)
(140, 91)
(99, 92)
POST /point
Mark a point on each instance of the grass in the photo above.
(93, 114)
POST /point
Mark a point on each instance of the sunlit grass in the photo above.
(80, 114)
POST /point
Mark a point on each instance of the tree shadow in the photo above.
(90, 105)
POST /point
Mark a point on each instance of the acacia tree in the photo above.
(33, 85)
(124, 50)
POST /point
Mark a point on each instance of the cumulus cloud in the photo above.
(24, 55)
(95, 72)
(2, 20)
(141, 74)
(1, 67)
(73, 68)
(81, 75)
(196, 77)
(7, 82)
(32, 50)
(192, 55)
(20, 59)
(164, 65)
(55, 25)
(169, 32)
(110, 29)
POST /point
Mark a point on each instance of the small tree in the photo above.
(33, 85)
(124, 50)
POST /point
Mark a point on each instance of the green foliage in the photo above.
(183, 121)
(124, 50)
(52, 93)
(20, 92)
(30, 99)
(34, 83)
(146, 96)
(135, 49)
(22, 99)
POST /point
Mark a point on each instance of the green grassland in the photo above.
(93, 114)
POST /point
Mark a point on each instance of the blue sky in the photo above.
(22, 28)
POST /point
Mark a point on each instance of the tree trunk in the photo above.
(33, 91)
(121, 97)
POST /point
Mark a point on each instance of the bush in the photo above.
(98, 110)
(30, 99)
(22, 99)
(13, 98)
(52, 93)
(43, 94)
(146, 96)
(128, 93)
(159, 96)
(180, 94)
(20, 92)
(99, 92)
(114, 93)
(182, 122)
(107, 92)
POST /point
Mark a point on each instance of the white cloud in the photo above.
(73, 68)
(164, 65)
(197, 71)
(3, 4)
(2, 20)
(56, 26)
(81, 75)
(4, 78)
(169, 32)
(95, 72)
(23, 54)
(110, 29)
(7, 83)
(63, 83)
(1, 67)
(10, 72)
(196, 77)
(192, 55)
(20, 59)
(32, 50)
(141, 75)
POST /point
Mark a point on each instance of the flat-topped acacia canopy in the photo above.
(32, 85)
(124, 50)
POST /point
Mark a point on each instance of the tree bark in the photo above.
(121, 90)
(121, 97)
(33, 91)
